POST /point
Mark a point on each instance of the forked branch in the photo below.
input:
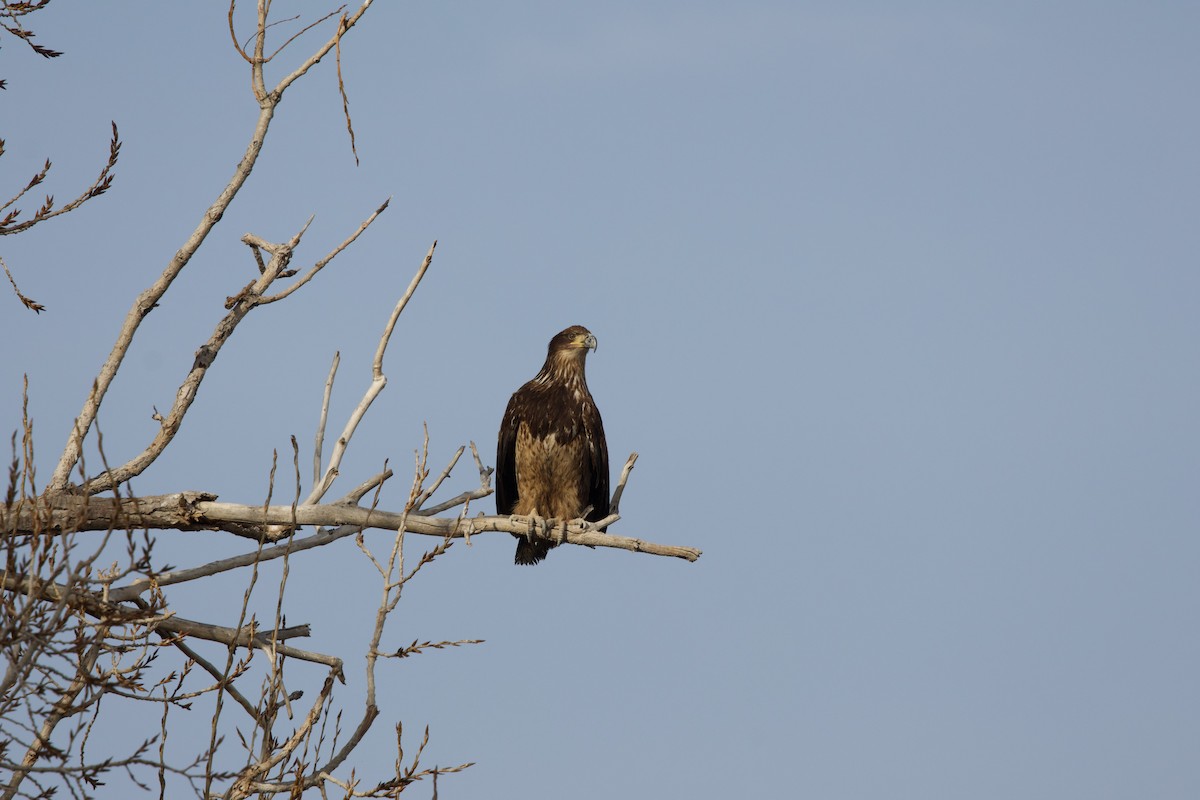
(377, 384)
(149, 298)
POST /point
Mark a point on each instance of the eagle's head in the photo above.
(575, 340)
(564, 360)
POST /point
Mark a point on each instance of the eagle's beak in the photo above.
(589, 342)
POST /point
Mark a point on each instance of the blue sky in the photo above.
(897, 302)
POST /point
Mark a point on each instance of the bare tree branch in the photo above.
(205, 356)
(148, 299)
(320, 265)
(377, 365)
(345, 99)
(378, 382)
(9, 224)
(615, 504)
(180, 512)
(320, 437)
(14, 10)
(79, 634)
(29, 303)
(112, 613)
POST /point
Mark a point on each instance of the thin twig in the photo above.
(302, 31)
(377, 384)
(102, 184)
(428, 493)
(28, 302)
(320, 438)
(345, 99)
(320, 265)
(208, 667)
(359, 492)
(377, 364)
(615, 503)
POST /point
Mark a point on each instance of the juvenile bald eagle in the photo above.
(551, 457)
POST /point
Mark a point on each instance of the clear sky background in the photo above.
(897, 301)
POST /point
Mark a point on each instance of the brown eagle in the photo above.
(551, 456)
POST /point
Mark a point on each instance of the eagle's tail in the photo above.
(531, 552)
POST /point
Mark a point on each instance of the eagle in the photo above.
(551, 455)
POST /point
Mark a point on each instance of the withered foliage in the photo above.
(14, 21)
(12, 223)
(14, 14)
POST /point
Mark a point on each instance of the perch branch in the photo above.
(199, 511)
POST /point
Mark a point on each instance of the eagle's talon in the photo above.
(535, 524)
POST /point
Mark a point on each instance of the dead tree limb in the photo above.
(149, 298)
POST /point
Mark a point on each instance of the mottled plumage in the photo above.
(551, 456)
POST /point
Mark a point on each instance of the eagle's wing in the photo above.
(506, 460)
(597, 448)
